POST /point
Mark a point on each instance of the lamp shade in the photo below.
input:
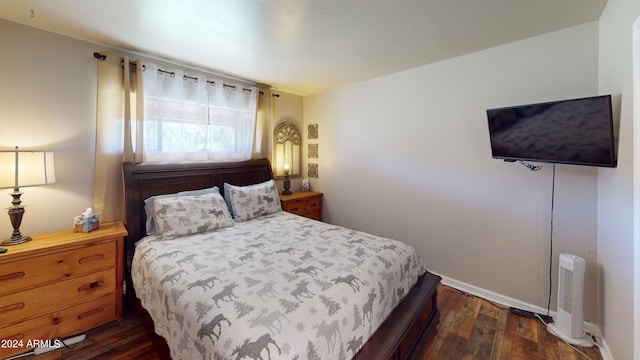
(26, 168)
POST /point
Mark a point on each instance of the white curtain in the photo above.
(191, 117)
(263, 139)
(118, 131)
(182, 111)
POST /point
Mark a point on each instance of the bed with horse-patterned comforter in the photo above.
(278, 286)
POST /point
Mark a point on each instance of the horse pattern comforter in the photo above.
(276, 287)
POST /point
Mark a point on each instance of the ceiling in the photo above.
(302, 46)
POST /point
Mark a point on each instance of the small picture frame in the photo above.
(313, 151)
(313, 170)
(312, 132)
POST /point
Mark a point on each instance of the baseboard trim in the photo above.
(604, 350)
(507, 301)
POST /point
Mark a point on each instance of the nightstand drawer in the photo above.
(314, 215)
(303, 203)
(295, 207)
(54, 267)
(60, 323)
(312, 204)
(36, 301)
(302, 206)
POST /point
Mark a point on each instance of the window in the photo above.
(195, 118)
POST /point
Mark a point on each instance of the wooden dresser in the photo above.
(304, 203)
(60, 284)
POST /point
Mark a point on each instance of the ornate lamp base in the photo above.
(287, 185)
(15, 215)
(16, 240)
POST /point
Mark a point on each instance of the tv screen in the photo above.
(576, 131)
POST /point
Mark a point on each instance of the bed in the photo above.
(268, 285)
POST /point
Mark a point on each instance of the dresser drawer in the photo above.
(61, 323)
(36, 301)
(54, 267)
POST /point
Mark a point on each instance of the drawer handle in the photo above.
(15, 337)
(12, 276)
(90, 312)
(89, 286)
(295, 209)
(12, 307)
(91, 258)
(313, 205)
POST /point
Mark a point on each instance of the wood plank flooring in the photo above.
(470, 328)
(473, 328)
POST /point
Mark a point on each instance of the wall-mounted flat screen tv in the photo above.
(576, 131)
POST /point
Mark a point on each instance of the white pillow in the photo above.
(249, 202)
(148, 205)
(184, 215)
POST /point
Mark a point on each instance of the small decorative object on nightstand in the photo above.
(60, 284)
(303, 203)
(287, 182)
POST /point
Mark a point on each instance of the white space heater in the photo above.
(570, 317)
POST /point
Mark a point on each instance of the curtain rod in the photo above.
(103, 57)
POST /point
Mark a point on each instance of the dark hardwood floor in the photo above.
(473, 328)
(470, 328)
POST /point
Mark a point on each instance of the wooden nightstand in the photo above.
(303, 203)
(60, 284)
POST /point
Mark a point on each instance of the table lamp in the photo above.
(287, 182)
(20, 168)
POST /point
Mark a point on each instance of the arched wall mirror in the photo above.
(287, 150)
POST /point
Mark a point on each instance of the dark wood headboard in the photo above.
(148, 179)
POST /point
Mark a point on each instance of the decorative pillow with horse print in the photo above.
(184, 215)
(149, 205)
(249, 202)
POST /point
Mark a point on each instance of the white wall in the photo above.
(408, 156)
(615, 186)
(48, 101)
(636, 185)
